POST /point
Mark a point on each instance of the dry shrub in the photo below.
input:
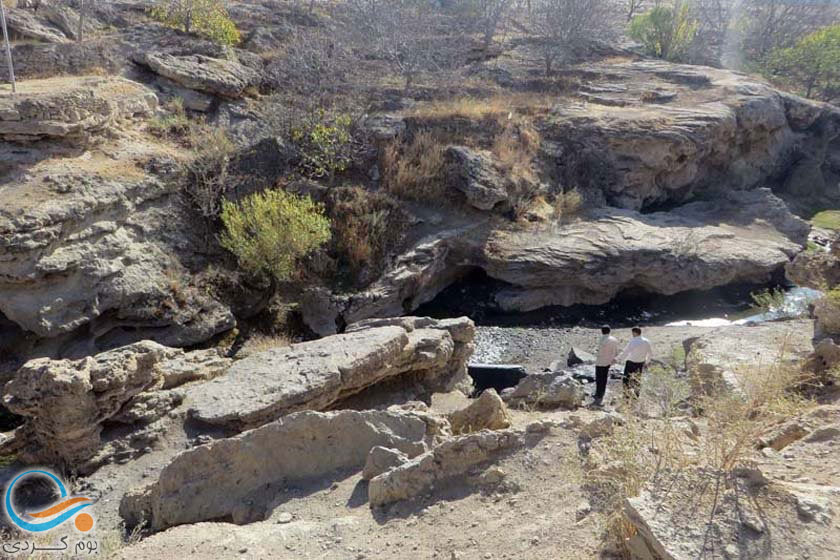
(515, 147)
(415, 169)
(732, 421)
(208, 172)
(367, 227)
(736, 419)
(261, 342)
(568, 204)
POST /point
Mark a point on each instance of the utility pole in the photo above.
(8, 46)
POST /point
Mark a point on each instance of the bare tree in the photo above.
(561, 25)
(632, 7)
(397, 31)
(772, 24)
(491, 13)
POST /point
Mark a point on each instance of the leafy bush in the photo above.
(207, 18)
(270, 231)
(324, 143)
(665, 32)
(812, 66)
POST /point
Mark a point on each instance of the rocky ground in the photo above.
(122, 319)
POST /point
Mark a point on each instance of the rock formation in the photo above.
(724, 358)
(77, 107)
(487, 412)
(744, 236)
(449, 459)
(315, 375)
(203, 73)
(549, 390)
(215, 480)
(65, 402)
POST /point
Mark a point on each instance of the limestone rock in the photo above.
(719, 360)
(147, 407)
(739, 237)
(380, 460)
(199, 365)
(210, 481)
(91, 248)
(487, 412)
(451, 458)
(475, 175)
(203, 73)
(666, 513)
(696, 246)
(65, 402)
(551, 389)
(317, 374)
(602, 426)
(26, 24)
(816, 269)
(809, 424)
(71, 107)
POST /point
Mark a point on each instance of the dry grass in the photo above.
(515, 147)
(720, 440)
(262, 342)
(415, 170)
(474, 108)
(567, 204)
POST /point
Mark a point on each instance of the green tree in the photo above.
(666, 32)
(208, 18)
(812, 66)
(270, 231)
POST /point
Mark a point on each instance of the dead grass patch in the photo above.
(475, 108)
(720, 439)
(415, 170)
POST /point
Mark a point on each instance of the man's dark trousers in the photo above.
(633, 376)
(602, 373)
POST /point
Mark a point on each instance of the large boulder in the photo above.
(318, 374)
(216, 76)
(66, 402)
(714, 131)
(475, 175)
(740, 237)
(487, 412)
(547, 390)
(218, 479)
(26, 24)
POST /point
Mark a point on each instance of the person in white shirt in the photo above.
(636, 354)
(607, 351)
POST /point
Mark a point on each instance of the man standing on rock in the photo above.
(637, 353)
(607, 351)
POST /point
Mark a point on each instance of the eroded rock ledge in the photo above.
(70, 107)
(316, 375)
(745, 236)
